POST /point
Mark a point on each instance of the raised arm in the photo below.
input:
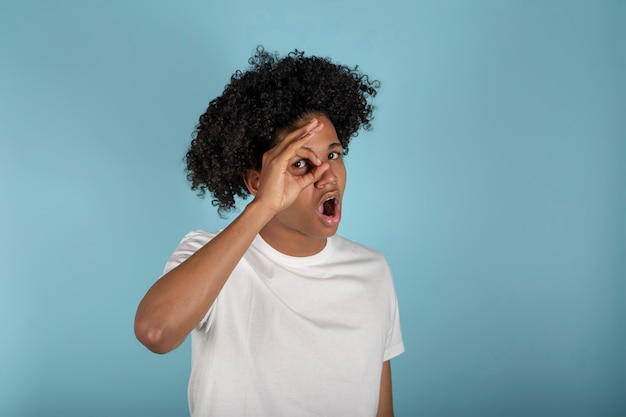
(178, 301)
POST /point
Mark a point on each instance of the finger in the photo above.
(296, 138)
(313, 175)
(313, 125)
(290, 155)
(305, 153)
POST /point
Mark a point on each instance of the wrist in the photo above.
(260, 210)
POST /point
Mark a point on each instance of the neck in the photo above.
(292, 244)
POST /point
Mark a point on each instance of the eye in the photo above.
(301, 164)
(334, 155)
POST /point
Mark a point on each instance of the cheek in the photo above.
(304, 200)
(341, 173)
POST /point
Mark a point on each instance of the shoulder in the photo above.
(188, 245)
(357, 250)
(368, 264)
(197, 238)
(343, 243)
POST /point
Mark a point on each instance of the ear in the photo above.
(252, 179)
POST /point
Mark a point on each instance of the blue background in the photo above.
(494, 182)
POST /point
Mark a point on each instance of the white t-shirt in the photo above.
(294, 336)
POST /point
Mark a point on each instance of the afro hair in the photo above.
(241, 124)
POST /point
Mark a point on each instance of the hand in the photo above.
(279, 182)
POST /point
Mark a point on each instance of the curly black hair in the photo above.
(240, 125)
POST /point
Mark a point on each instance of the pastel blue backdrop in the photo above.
(493, 181)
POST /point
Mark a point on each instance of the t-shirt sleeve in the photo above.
(395, 344)
(189, 245)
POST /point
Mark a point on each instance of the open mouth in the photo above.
(328, 207)
(329, 211)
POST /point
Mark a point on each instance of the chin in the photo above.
(329, 231)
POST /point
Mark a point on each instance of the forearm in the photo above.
(178, 301)
(385, 402)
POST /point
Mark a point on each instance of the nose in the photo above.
(328, 177)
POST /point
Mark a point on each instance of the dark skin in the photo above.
(304, 168)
